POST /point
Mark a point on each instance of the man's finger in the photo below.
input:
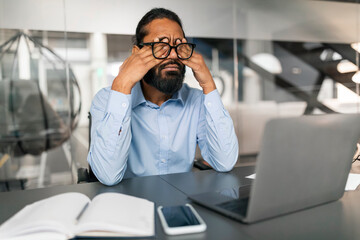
(194, 62)
(161, 50)
(190, 64)
(150, 61)
(184, 50)
(145, 51)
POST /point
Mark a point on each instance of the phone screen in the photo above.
(179, 216)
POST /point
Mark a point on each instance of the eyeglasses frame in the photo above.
(171, 47)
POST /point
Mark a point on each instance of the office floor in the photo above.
(58, 166)
(55, 167)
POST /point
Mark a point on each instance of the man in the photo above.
(149, 122)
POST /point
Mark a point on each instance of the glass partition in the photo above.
(269, 59)
(40, 106)
(295, 58)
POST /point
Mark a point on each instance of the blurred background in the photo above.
(270, 59)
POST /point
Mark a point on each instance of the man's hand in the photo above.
(134, 68)
(200, 70)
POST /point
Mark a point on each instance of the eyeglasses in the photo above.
(161, 50)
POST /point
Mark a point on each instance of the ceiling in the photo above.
(286, 20)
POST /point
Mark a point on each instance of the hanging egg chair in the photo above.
(39, 97)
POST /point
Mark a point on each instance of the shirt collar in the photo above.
(179, 96)
(138, 96)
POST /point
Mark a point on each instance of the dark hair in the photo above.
(155, 13)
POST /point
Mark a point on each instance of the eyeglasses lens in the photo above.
(161, 50)
(184, 50)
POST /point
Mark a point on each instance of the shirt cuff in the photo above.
(213, 101)
(118, 103)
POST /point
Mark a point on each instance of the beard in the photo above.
(169, 82)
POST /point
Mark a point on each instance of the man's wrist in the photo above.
(121, 85)
(208, 88)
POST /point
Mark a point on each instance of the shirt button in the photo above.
(163, 160)
(123, 105)
(163, 137)
(209, 104)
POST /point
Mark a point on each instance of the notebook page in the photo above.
(118, 213)
(38, 236)
(54, 214)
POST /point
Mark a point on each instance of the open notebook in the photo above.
(68, 215)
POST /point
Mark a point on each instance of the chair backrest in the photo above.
(92, 177)
(86, 174)
(90, 122)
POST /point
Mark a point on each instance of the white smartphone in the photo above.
(181, 219)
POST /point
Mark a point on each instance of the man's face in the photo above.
(168, 76)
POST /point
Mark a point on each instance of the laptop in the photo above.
(303, 162)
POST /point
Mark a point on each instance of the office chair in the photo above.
(12, 184)
(201, 164)
(86, 174)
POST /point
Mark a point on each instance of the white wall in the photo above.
(297, 20)
(291, 20)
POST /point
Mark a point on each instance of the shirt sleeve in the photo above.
(110, 136)
(216, 135)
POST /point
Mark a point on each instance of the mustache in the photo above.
(180, 65)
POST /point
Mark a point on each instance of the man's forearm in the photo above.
(217, 138)
(110, 136)
(108, 159)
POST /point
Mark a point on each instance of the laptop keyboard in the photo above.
(240, 202)
(238, 206)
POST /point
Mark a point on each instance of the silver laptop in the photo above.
(303, 162)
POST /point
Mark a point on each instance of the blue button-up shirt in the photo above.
(131, 136)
